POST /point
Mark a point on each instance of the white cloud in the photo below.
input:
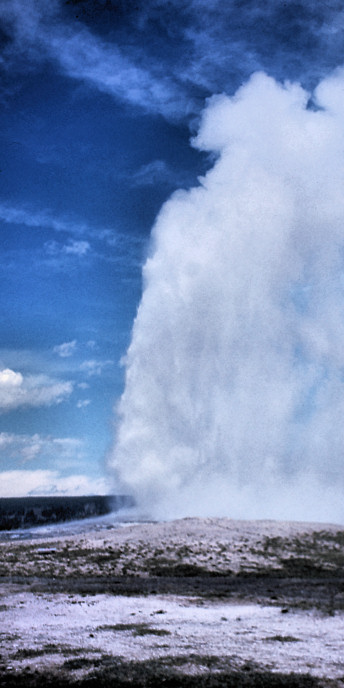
(17, 391)
(8, 378)
(94, 367)
(234, 394)
(82, 403)
(23, 483)
(21, 449)
(66, 349)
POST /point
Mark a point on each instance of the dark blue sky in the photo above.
(98, 103)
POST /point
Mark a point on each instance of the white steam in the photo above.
(234, 396)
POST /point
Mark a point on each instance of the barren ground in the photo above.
(194, 602)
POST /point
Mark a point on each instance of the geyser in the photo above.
(234, 396)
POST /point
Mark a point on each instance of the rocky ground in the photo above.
(206, 602)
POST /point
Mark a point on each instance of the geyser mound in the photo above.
(234, 395)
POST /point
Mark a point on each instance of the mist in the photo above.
(234, 395)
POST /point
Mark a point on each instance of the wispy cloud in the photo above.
(255, 36)
(81, 55)
(94, 367)
(17, 391)
(77, 248)
(21, 449)
(32, 218)
(86, 57)
(83, 403)
(157, 172)
(123, 246)
(218, 45)
(83, 385)
(66, 349)
(71, 248)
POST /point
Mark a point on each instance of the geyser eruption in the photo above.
(234, 395)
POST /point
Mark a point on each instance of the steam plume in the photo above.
(234, 396)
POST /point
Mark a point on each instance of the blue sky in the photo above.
(98, 103)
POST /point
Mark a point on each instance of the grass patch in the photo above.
(106, 671)
(49, 649)
(152, 631)
(283, 639)
(79, 663)
(185, 570)
(137, 629)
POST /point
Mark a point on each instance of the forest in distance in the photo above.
(25, 512)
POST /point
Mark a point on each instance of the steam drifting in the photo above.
(234, 396)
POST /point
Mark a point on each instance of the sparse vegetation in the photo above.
(283, 638)
(313, 554)
(48, 649)
(136, 629)
(209, 672)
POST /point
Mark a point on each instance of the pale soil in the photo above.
(191, 602)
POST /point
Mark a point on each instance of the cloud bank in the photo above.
(234, 394)
(25, 483)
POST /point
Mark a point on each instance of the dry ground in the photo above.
(206, 602)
